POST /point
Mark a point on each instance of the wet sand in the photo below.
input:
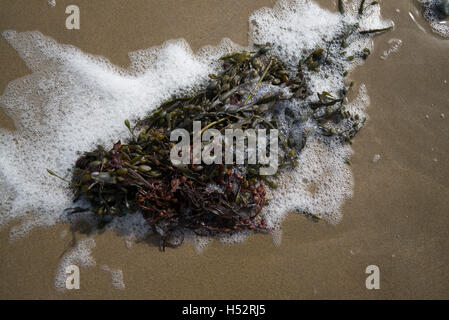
(398, 218)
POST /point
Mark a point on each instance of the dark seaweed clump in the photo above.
(137, 176)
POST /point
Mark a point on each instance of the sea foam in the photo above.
(433, 15)
(73, 101)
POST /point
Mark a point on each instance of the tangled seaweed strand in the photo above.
(138, 176)
(205, 199)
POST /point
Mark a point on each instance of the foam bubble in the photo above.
(434, 16)
(72, 101)
(116, 277)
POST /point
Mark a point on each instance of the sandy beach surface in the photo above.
(398, 218)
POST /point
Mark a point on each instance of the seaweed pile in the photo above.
(252, 90)
(207, 199)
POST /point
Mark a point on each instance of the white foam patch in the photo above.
(79, 256)
(72, 101)
(439, 26)
(296, 28)
(319, 186)
(116, 277)
(395, 45)
(321, 182)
